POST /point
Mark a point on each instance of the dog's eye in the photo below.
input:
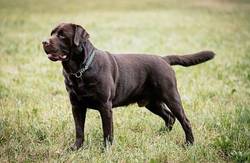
(60, 35)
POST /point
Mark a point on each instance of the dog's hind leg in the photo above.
(172, 99)
(160, 109)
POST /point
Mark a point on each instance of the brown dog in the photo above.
(99, 80)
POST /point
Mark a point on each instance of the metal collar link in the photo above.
(84, 67)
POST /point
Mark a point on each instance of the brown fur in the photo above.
(117, 80)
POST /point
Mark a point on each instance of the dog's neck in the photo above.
(78, 56)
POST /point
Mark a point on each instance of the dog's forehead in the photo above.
(66, 27)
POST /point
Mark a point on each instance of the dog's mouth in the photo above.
(54, 55)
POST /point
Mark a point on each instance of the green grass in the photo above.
(35, 115)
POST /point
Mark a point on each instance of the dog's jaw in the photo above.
(78, 55)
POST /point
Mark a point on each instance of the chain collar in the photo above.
(84, 65)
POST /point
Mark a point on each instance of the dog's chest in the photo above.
(84, 88)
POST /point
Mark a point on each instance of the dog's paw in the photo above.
(74, 147)
(187, 145)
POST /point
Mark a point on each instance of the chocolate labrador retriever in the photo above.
(100, 80)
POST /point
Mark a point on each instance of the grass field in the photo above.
(36, 124)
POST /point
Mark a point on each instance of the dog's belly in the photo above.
(141, 98)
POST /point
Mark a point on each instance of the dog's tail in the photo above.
(190, 59)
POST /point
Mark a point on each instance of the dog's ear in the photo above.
(80, 35)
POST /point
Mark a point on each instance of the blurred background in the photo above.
(35, 115)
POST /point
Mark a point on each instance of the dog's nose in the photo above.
(45, 42)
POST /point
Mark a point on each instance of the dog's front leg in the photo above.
(79, 115)
(107, 123)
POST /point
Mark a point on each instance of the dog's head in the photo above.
(64, 40)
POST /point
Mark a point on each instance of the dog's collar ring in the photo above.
(78, 74)
(86, 64)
